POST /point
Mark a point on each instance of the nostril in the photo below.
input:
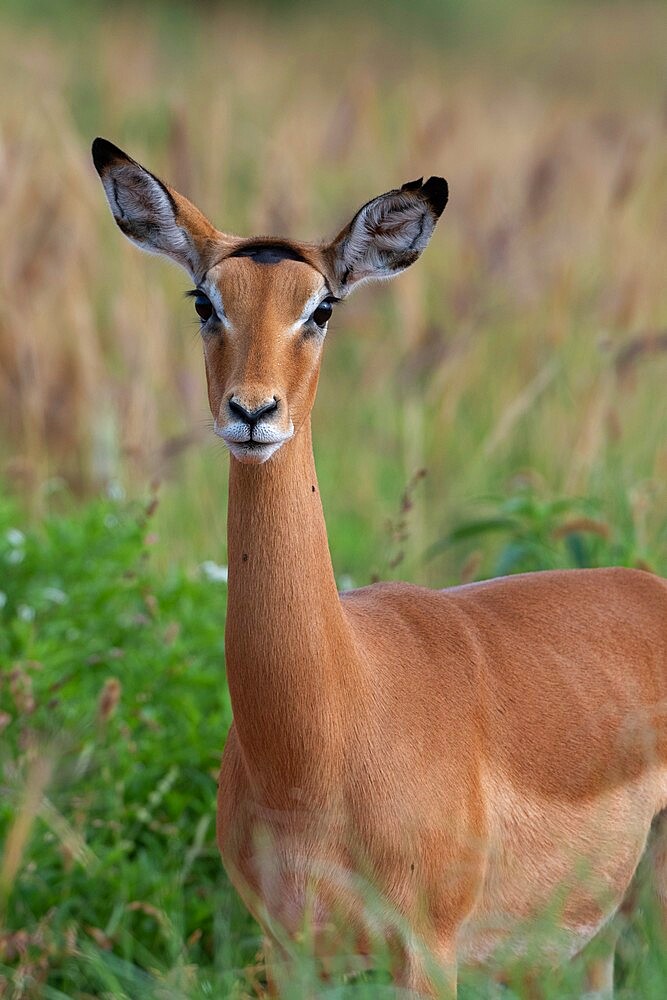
(240, 411)
(269, 407)
(252, 416)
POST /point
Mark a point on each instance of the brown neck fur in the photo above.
(286, 633)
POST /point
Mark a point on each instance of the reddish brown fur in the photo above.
(462, 752)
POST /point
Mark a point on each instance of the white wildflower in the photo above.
(115, 490)
(25, 613)
(214, 572)
(55, 595)
(15, 537)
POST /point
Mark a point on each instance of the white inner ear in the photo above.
(144, 212)
(394, 224)
(386, 227)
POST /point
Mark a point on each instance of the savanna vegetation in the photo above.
(501, 407)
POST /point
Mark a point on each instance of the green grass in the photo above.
(116, 676)
(115, 711)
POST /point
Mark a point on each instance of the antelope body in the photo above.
(472, 754)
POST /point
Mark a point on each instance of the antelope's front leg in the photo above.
(428, 973)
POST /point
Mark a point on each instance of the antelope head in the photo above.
(264, 303)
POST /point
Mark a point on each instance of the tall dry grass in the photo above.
(530, 335)
(529, 342)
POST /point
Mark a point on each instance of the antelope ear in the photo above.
(387, 234)
(152, 215)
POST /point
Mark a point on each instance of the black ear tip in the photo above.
(104, 153)
(436, 190)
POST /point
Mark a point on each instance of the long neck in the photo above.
(287, 639)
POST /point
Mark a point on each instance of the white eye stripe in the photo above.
(313, 303)
(311, 306)
(214, 297)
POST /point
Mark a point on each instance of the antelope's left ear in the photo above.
(154, 216)
(387, 234)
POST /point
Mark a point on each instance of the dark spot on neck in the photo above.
(312, 488)
(245, 557)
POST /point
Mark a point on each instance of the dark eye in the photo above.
(203, 306)
(322, 313)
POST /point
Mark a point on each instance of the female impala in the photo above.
(473, 753)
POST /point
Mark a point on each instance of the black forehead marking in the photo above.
(269, 253)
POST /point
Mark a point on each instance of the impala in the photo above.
(473, 754)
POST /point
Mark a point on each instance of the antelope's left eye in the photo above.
(322, 313)
(203, 307)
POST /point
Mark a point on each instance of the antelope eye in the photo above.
(322, 313)
(203, 307)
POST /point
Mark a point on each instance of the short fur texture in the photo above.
(473, 756)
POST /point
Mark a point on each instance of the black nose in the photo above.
(252, 416)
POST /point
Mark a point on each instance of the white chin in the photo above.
(252, 452)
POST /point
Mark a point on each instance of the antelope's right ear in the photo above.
(152, 215)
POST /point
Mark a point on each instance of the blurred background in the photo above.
(530, 341)
(500, 406)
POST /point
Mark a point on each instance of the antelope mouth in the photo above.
(252, 450)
